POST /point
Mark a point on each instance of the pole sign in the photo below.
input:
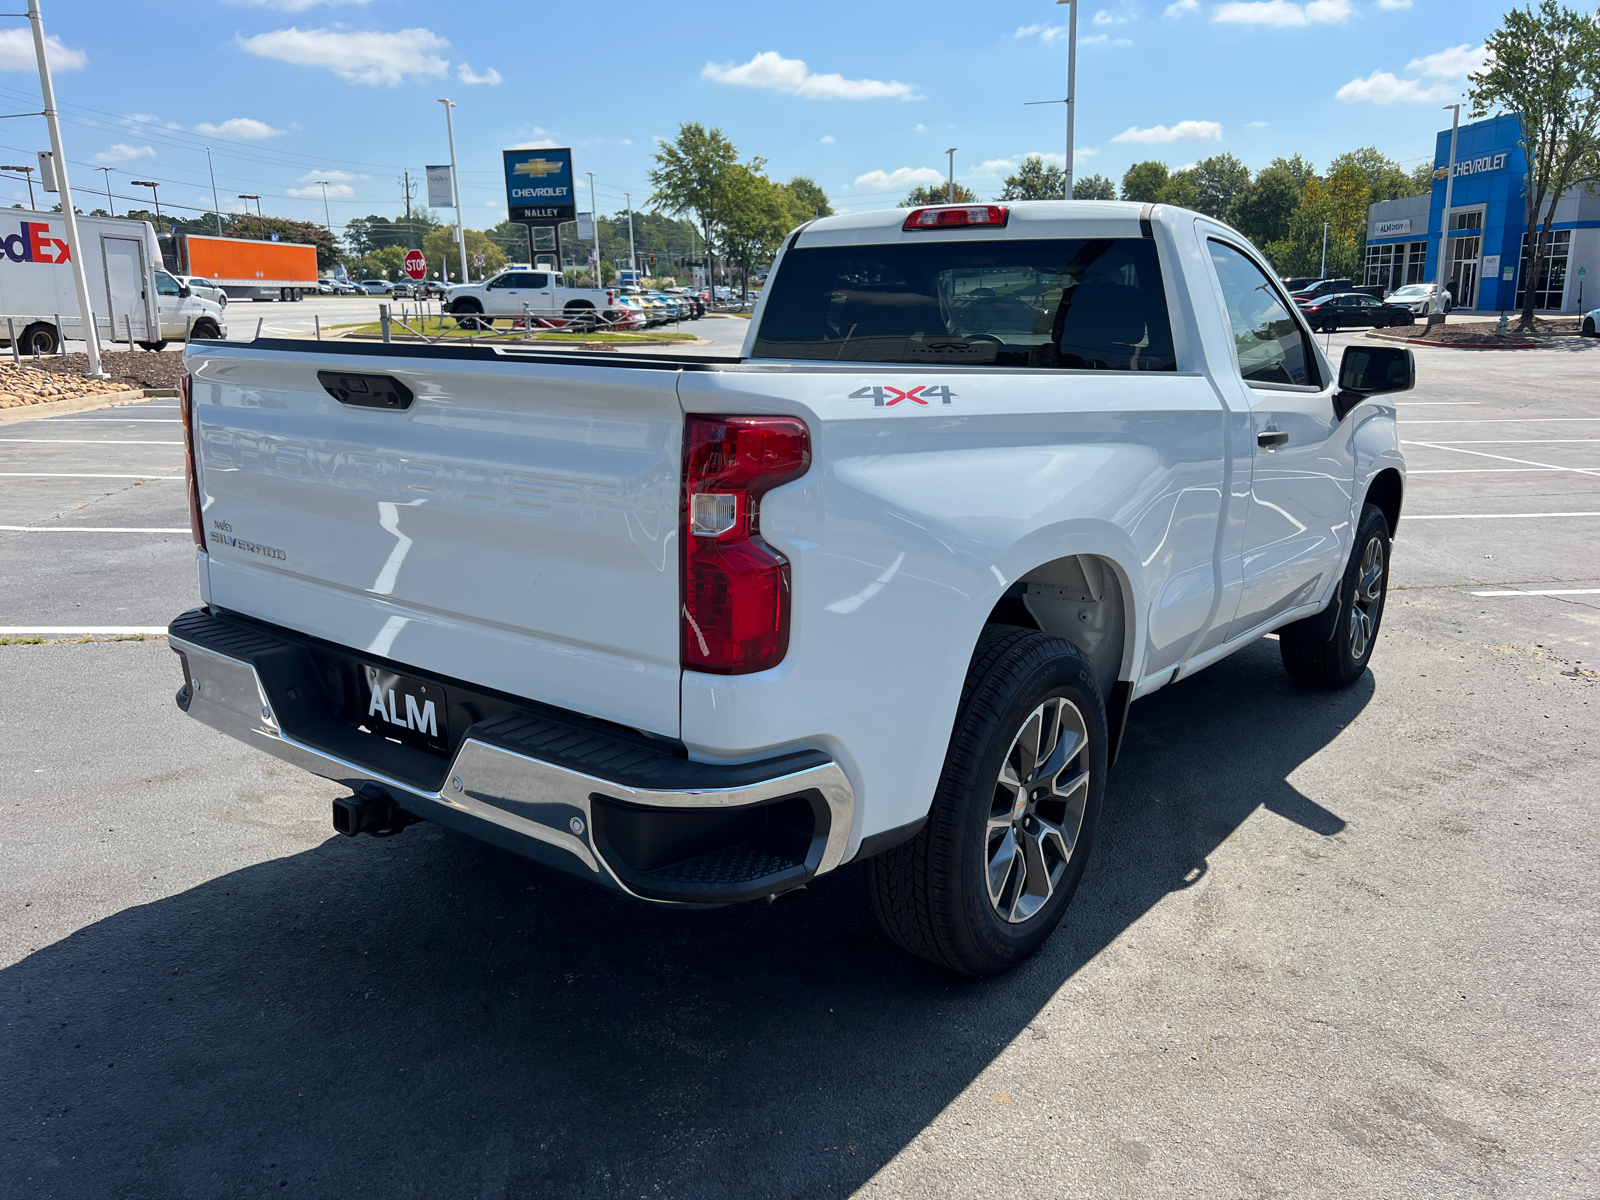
(439, 194)
(539, 186)
(416, 264)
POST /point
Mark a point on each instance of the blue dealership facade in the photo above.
(1488, 228)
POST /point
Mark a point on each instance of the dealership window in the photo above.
(1552, 284)
(1467, 220)
(1417, 263)
(1386, 265)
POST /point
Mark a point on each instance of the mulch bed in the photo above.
(1483, 333)
(128, 368)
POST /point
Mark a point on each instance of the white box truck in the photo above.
(134, 299)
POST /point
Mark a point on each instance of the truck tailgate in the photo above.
(516, 526)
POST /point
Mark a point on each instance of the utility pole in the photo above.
(69, 216)
(326, 219)
(111, 203)
(455, 189)
(633, 257)
(405, 184)
(216, 205)
(594, 219)
(1072, 88)
(1440, 267)
(1324, 274)
(950, 188)
(28, 172)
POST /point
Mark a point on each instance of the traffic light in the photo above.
(652, 260)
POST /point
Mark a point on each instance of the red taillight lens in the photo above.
(994, 215)
(186, 391)
(735, 586)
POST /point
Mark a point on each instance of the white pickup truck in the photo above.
(538, 293)
(881, 588)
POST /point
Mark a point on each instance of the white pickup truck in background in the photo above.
(537, 293)
(882, 588)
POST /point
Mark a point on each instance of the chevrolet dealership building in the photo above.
(1488, 231)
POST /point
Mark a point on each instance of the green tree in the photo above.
(1301, 170)
(919, 197)
(691, 176)
(1386, 179)
(1219, 180)
(1262, 211)
(1182, 189)
(1035, 180)
(807, 200)
(1422, 178)
(442, 242)
(1544, 66)
(386, 262)
(757, 217)
(329, 251)
(1093, 187)
(1144, 181)
(1341, 201)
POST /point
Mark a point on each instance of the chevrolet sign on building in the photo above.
(539, 186)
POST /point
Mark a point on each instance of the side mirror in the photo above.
(184, 291)
(1370, 371)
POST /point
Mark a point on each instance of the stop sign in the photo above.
(416, 264)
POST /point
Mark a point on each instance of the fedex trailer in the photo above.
(133, 300)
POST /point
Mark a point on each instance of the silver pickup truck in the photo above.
(880, 588)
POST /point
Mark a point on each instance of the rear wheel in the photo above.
(1341, 659)
(39, 338)
(161, 345)
(1588, 327)
(988, 877)
(205, 331)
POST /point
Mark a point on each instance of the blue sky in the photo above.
(865, 98)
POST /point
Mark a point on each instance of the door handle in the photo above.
(1271, 439)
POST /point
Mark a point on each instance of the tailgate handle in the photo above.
(366, 391)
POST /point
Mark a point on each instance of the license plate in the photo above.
(405, 709)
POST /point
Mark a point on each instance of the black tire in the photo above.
(932, 894)
(161, 345)
(205, 331)
(1588, 327)
(466, 313)
(582, 318)
(1342, 659)
(39, 338)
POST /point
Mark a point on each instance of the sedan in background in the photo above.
(1590, 321)
(1354, 309)
(200, 286)
(1417, 298)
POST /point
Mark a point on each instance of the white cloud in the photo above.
(828, 139)
(331, 177)
(1104, 39)
(1178, 7)
(900, 180)
(919, 128)
(356, 57)
(143, 118)
(122, 152)
(335, 190)
(239, 127)
(17, 54)
(1455, 63)
(1045, 33)
(538, 138)
(1283, 12)
(1393, 4)
(291, 6)
(1106, 17)
(466, 74)
(791, 76)
(1183, 131)
(1255, 125)
(1381, 87)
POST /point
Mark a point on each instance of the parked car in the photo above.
(403, 290)
(879, 590)
(541, 293)
(1417, 298)
(1589, 323)
(1329, 313)
(1300, 283)
(377, 287)
(1323, 287)
(205, 289)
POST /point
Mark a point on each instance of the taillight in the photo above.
(186, 391)
(735, 586)
(994, 215)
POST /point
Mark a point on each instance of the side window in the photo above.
(1271, 345)
(539, 281)
(166, 285)
(500, 281)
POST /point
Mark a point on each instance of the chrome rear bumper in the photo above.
(241, 678)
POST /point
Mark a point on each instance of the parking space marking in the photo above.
(1501, 457)
(83, 631)
(1499, 420)
(1512, 441)
(1496, 516)
(87, 529)
(77, 475)
(1545, 592)
(84, 442)
(1487, 470)
(115, 420)
(1438, 403)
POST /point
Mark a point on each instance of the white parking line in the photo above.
(84, 442)
(1501, 457)
(1500, 420)
(1511, 441)
(87, 529)
(79, 475)
(1498, 516)
(115, 420)
(83, 630)
(1439, 403)
(1546, 592)
(1485, 471)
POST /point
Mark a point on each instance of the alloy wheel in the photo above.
(1369, 594)
(1037, 810)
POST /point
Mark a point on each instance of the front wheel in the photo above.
(161, 345)
(1341, 659)
(206, 331)
(988, 877)
(1588, 327)
(40, 338)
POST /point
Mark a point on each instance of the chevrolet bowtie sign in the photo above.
(539, 186)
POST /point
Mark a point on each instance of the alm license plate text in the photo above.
(406, 709)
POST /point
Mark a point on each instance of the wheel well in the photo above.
(1080, 598)
(572, 304)
(1386, 490)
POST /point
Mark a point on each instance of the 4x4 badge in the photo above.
(887, 397)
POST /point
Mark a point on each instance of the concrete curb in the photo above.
(76, 404)
(1374, 335)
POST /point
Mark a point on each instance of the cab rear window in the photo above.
(1092, 304)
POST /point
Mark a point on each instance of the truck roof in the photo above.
(1027, 219)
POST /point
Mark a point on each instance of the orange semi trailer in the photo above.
(245, 269)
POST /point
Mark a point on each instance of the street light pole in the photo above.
(1072, 89)
(633, 258)
(594, 220)
(261, 225)
(152, 185)
(950, 188)
(216, 205)
(1439, 267)
(1324, 274)
(326, 218)
(69, 216)
(455, 187)
(28, 172)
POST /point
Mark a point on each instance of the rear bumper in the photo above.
(610, 807)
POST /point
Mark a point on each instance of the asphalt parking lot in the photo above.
(1330, 944)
